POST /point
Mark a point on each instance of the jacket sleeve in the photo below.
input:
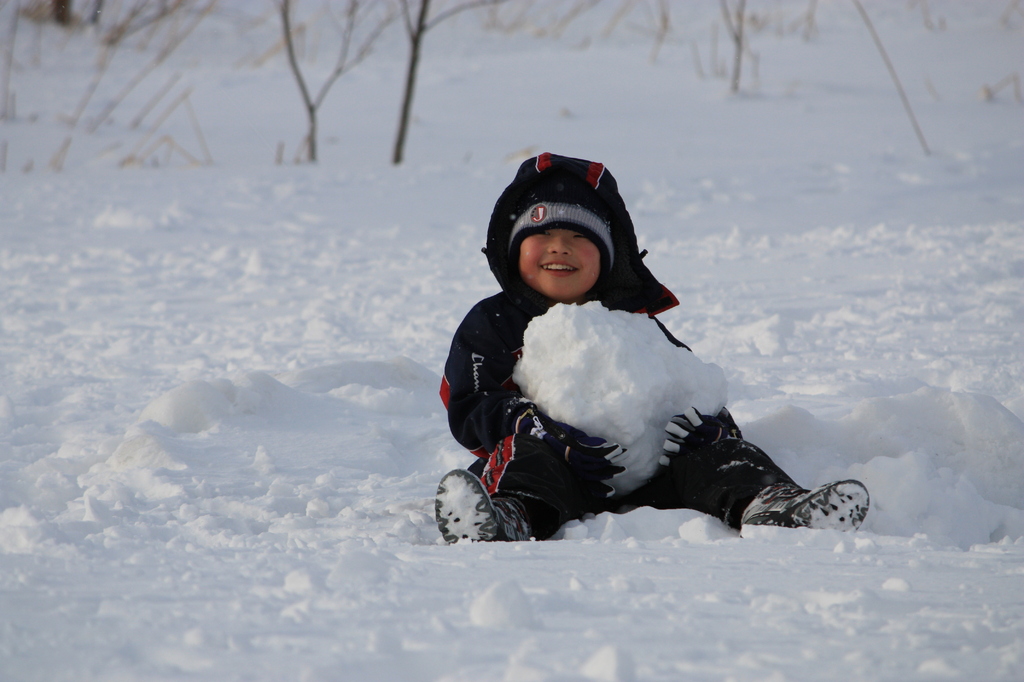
(482, 400)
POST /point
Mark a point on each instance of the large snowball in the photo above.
(614, 374)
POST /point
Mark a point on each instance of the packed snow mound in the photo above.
(649, 525)
(399, 373)
(339, 419)
(254, 461)
(190, 408)
(503, 605)
(939, 462)
(141, 449)
(198, 406)
(615, 374)
(398, 386)
(969, 434)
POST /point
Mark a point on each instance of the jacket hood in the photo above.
(629, 285)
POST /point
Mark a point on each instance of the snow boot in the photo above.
(841, 505)
(464, 511)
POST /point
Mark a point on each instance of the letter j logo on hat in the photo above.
(539, 213)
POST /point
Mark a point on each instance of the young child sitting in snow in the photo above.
(560, 233)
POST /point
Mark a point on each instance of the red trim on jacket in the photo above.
(498, 460)
(446, 391)
(666, 301)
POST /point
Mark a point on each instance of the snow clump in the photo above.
(615, 375)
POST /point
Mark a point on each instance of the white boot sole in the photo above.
(836, 506)
(463, 508)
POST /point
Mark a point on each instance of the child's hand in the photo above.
(691, 430)
(594, 460)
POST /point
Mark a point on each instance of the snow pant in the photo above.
(720, 480)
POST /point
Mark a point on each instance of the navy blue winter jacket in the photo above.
(482, 400)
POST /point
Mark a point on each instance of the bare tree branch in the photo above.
(406, 17)
(5, 70)
(62, 12)
(135, 20)
(344, 62)
(460, 8)
(416, 30)
(892, 73)
(171, 46)
(735, 29)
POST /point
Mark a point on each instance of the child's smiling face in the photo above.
(562, 265)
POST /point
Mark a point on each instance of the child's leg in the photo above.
(526, 468)
(719, 480)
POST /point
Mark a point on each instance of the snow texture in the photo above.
(220, 434)
(615, 375)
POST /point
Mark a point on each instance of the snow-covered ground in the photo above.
(219, 426)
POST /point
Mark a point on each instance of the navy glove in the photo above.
(690, 430)
(592, 459)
